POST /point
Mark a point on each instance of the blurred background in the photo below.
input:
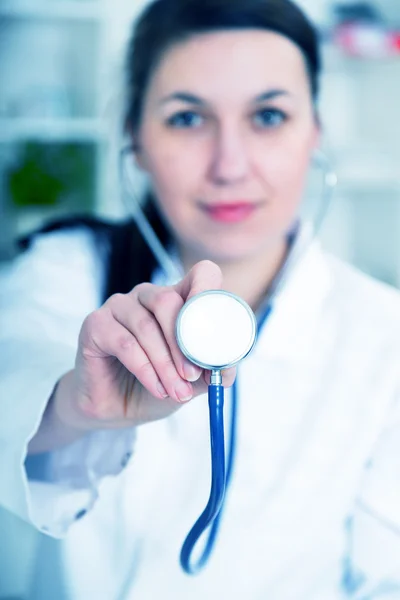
(61, 90)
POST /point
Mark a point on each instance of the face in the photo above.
(226, 137)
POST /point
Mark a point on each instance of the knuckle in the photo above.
(93, 333)
(166, 367)
(125, 341)
(140, 287)
(167, 299)
(146, 325)
(93, 321)
(145, 371)
(115, 300)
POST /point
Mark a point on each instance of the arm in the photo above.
(41, 314)
(117, 368)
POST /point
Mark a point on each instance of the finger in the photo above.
(113, 339)
(204, 276)
(165, 305)
(201, 386)
(137, 319)
(228, 377)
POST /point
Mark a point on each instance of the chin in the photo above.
(222, 251)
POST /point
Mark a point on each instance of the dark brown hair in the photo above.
(167, 22)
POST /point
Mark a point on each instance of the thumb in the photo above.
(204, 276)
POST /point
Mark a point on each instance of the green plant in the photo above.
(46, 173)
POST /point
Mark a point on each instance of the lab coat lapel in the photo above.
(291, 327)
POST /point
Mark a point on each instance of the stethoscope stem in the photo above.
(218, 480)
(216, 378)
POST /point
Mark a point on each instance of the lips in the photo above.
(233, 212)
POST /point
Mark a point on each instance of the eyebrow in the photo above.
(183, 97)
(271, 94)
(197, 101)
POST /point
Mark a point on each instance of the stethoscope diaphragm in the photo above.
(216, 329)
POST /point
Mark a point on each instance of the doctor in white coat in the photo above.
(103, 424)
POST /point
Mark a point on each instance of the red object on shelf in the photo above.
(396, 41)
(367, 41)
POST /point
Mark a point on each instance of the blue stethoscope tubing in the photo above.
(220, 477)
(219, 481)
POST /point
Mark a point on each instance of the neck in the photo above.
(250, 277)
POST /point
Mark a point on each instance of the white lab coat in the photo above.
(313, 512)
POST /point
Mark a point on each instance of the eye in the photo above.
(269, 118)
(187, 119)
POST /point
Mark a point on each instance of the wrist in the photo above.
(65, 407)
(55, 430)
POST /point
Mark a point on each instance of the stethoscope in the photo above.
(216, 330)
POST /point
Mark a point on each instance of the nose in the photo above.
(230, 161)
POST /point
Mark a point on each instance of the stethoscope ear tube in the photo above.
(217, 493)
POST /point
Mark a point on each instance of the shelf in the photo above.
(31, 219)
(335, 60)
(79, 130)
(364, 180)
(361, 184)
(367, 171)
(46, 9)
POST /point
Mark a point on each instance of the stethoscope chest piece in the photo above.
(216, 329)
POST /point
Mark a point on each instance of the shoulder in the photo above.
(358, 286)
(63, 258)
(106, 252)
(78, 239)
(362, 301)
(61, 248)
(79, 232)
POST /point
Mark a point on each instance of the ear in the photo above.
(138, 154)
(132, 140)
(318, 131)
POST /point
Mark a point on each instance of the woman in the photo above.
(222, 116)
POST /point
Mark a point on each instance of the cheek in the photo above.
(284, 170)
(285, 167)
(175, 174)
(173, 181)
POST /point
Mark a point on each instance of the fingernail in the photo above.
(191, 372)
(161, 390)
(183, 391)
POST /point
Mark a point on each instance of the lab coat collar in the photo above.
(290, 331)
(302, 286)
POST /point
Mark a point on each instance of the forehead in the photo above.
(217, 63)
